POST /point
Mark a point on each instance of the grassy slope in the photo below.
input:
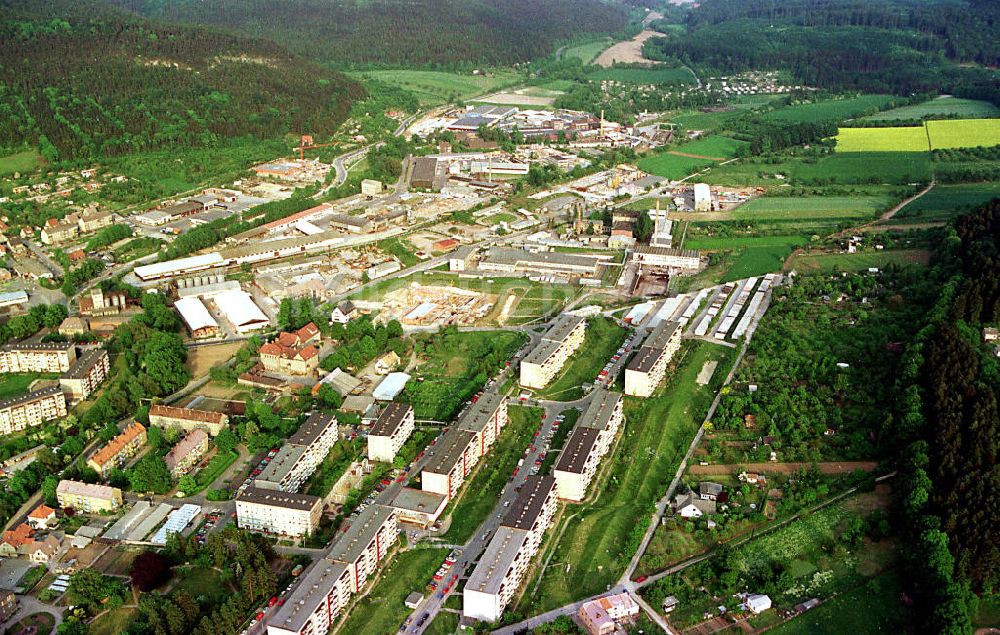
(23, 162)
(874, 607)
(439, 87)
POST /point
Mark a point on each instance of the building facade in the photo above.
(187, 419)
(279, 513)
(645, 371)
(301, 455)
(118, 450)
(390, 431)
(32, 409)
(86, 374)
(451, 461)
(87, 497)
(486, 418)
(53, 357)
(187, 452)
(587, 444)
(540, 366)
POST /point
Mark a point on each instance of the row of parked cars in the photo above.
(255, 472)
(604, 377)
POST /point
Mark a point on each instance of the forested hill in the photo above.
(899, 46)
(401, 32)
(83, 80)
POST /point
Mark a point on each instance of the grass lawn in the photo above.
(382, 610)
(944, 105)
(831, 109)
(602, 339)
(716, 146)
(559, 439)
(445, 623)
(113, 622)
(598, 538)
(438, 87)
(588, 52)
(14, 384)
(401, 249)
(672, 166)
(947, 201)
(219, 463)
(812, 207)
(814, 263)
(643, 75)
(904, 139)
(202, 582)
(24, 162)
(483, 491)
(964, 133)
(874, 607)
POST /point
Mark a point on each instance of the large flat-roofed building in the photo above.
(418, 507)
(238, 307)
(87, 497)
(52, 357)
(587, 444)
(301, 455)
(451, 461)
(86, 374)
(118, 450)
(187, 419)
(390, 431)
(32, 409)
(365, 543)
(502, 567)
(486, 418)
(426, 175)
(540, 366)
(663, 258)
(198, 320)
(645, 371)
(505, 260)
(279, 513)
(179, 267)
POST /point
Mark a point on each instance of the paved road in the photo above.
(28, 605)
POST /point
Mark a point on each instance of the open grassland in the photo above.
(14, 384)
(826, 263)
(588, 52)
(715, 146)
(840, 168)
(20, 162)
(672, 76)
(874, 607)
(751, 255)
(812, 207)
(683, 160)
(598, 538)
(113, 622)
(947, 201)
(603, 338)
(382, 609)
(964, 133)
(673, 166)
(904, 139)
(483, 491)
(698, 120)
(944, 105)
(831, 109)
(433, 88)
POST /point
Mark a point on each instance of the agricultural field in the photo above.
(672, 166)
(749, 256)
(596, 539)
(861, 261)
(713, 147)
(433, 88)
(947, 201)
(963, 133)
(945, 105)
(21, 162)
(603, 338)
(840, 168)
(588, 52)
(658, 76)
(903, 139)
(831, 109)
(812, 207)
(699, 120)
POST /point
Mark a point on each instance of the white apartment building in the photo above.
(645, 371)
(328, 583)
(52, 357)
(279, 513)
(540, 366)
(301, 455)
(451, 461)
(587, 445)
(486, 418)
(32, 409)
(86, 374)
(502, 568)
(390, 431)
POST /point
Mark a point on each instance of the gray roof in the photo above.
(497, 560)
(30, 397)
(349, 547)
(577, 449)
(83, 364)
(553, 339)
(390, 419)
(275, 498)
(652, 348)
(664, 251)
(547, 259)
(530, 500)
(448, 450)
(313, 428)
(282, 463)
(601, 407)
(481, 412)
(317, 581)
(45, 347)
(417, 500)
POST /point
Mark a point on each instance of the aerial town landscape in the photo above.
(499, 316)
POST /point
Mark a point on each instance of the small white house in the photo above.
(343, 312)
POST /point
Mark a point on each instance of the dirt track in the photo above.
(834, 467)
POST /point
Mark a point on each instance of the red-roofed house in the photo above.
(292, 353)
(14, 540)
(42, 517)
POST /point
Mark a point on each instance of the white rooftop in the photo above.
(194, 314)
(179, 265)
(391, 386)
(239, 308)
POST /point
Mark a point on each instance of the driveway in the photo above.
(29, 605)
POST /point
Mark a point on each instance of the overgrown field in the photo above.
(812, 207)
(944, 105)
(588, 52)
(831, 109)
(946, 201)
(862, 261)
(433, 88)
(24, 162)
(750, 255)
(839, 168)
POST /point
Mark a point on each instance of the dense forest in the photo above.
(445, 33)
(82, 80)
(894, 46)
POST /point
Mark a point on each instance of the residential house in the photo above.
(118, 450)
(187, 452)
(387, 363)
(344, 312)
(709, 491)
(42, 517)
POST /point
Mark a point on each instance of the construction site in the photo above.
(420, 306)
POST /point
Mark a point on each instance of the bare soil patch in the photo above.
(629, 52)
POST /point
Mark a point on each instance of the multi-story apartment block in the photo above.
(187, 452)
(59, 232)
(187, 419)
(278, 513)
(328, 583)
(501, 570)
(451, 461)
(301, 455)
(52, 357)
(95, 220)
(645, 371)
(487, 417)
(32, 409)
(86, 374)
(587, 445)
(118, 450)
(87, 497)
(390, 431)
(540, 366)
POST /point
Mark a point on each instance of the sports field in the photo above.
(944, 105)
(438, 87)
(812, 207)
(831, 109)
(903, 139)
(946, 201)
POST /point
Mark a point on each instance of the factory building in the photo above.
(390, 431)
(587, 444)
(198, 320)
(540, 366)
(663, 258)
(504, 260)
(645, 371)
